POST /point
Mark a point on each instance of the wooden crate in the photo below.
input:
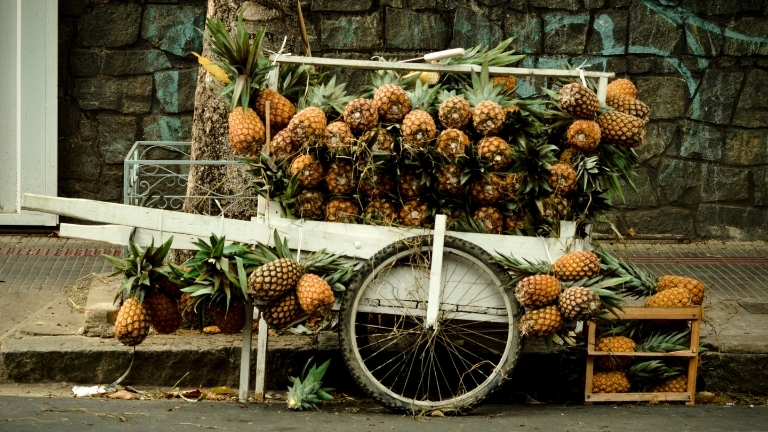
(693, 314)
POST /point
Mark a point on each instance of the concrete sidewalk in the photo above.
(43, 333)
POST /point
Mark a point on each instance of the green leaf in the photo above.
(242, 276)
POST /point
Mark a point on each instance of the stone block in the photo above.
(679, 182)
(752, 109)
(747, 36)
(701, 141)
(415, 30)
(117, 134)
(78, 160)
(472, 27)
(746, 147)
(724, 184)
(69, 119)
(174, 28)
(391, 3)
(526, 31)
(92, 63)
(719, 7)
(351, 32)
(72, 7)
(650, 32)
(111, 25)
(735, 373)
(717, 95)
(571, 5)
(176, 89)
(565, 33)
(593, 4)
(658, 137)
(667, 96)
(645, 196)
(167, 128)
(760, 175)
(641, 65)
(100, 310)
(341, 5)
(731, 222)
(667, 220)
(127, 95)
(426, 4)
(610, 35)
(111, 183)
(702, 41)
(74, 188)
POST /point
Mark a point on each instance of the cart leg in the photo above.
(261, 359)
(435, 273)
(245, 354)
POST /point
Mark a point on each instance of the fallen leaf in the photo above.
(437, 413)
(222, 391)
(124, 395)
(193, 394)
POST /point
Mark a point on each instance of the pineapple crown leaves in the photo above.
(497, 56)
(213, 273)
(296, 79)
(643, 373)
(658, 342)
(482, 89)
(534, 159)
(640, 283)
(307, 393)
(386, 76)
(606, 288)
(271, 180)
(422, 96)
(520, 268)
(329, 97)
(141, 269)
(617, 163)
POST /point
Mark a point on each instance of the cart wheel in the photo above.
(404, 365)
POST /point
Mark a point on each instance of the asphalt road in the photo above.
(70, 414)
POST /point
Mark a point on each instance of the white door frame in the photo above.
(28, 107)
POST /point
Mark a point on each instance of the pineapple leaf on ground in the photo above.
(307, 393)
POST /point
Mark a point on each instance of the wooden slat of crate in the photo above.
(693, 314)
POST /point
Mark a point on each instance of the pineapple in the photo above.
(694, 287)
(449, 181)
(614, 344)
(583, 135)
(132, 322)
(578, 303)
(488, 102)
(495, 150)
(309, 171)
(621, 129)
(628, 105)
(392, 103)
(489, 220)
(419, 127)
(534, 292)
(384, 141)
(541, 323)
(454, 111)
(306, 394)
(307, 127)
(283, 147)
(281, 110)
(452, 143)
(187, 308)
(315, 295)
(341, 210)
(673, 297)
(610, 382)
(361, 115)
(410, 185)
(274, 279)
(338, 139)
(678, 384)
(509, 83)
(376, 184)
(232, 320)
(283, 312)
(246, 131)
(622, 86)
(414, 213)
(515, 222)
(576, 266)
(163, 312)
(310, 204)
(381, 211)
(340, 178)
(579, 101)
(562, 178)
(488, 190)
(555, 207)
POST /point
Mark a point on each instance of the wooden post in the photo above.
(261, 359)
(602, 89)
(435, 273)
(245, 354)
(693, 362)
(590, 362)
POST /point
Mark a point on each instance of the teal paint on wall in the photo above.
(604, 25)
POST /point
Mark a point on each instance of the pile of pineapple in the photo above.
(219, 280)
(416, 145)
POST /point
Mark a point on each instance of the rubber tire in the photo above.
(346, 322)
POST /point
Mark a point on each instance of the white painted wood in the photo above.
(435, 272)
(602, 89)
(427, 67)
(114, 234)
(245, 354)
(261, 359)
(28, 107)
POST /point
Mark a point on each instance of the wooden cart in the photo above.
(428, 322)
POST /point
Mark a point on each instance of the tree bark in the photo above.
(209, 129)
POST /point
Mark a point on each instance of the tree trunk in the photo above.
(209, 130)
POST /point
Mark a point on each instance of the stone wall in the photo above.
(701, 66)
(125, 74)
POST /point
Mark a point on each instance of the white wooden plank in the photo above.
(602, 89)
(245, 354)
(435, 272)
(261, 359)
(427, 67)
(114, 234)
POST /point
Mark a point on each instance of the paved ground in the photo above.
(69, 414)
